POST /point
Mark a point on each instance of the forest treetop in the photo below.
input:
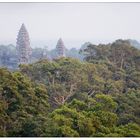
(66, 97)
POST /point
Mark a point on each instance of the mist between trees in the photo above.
(66, 97)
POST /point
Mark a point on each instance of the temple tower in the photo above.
(23, 45)
(60, 48)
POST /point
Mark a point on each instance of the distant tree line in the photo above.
(66, 97)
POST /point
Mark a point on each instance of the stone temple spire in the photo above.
(60, 48)
(23, 45)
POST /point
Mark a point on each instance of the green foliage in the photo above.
(20, 100)
(99, 97)
(105, 103)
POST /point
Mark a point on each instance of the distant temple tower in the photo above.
(60, 48)
(23, 46)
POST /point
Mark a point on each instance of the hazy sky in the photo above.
(76, 23)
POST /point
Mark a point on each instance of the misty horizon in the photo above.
(51, 44)
(75, 23)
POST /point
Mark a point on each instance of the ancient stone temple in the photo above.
(23, 46)
(60, 48)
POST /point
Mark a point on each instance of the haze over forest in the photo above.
(76, 23)
(86, 83)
